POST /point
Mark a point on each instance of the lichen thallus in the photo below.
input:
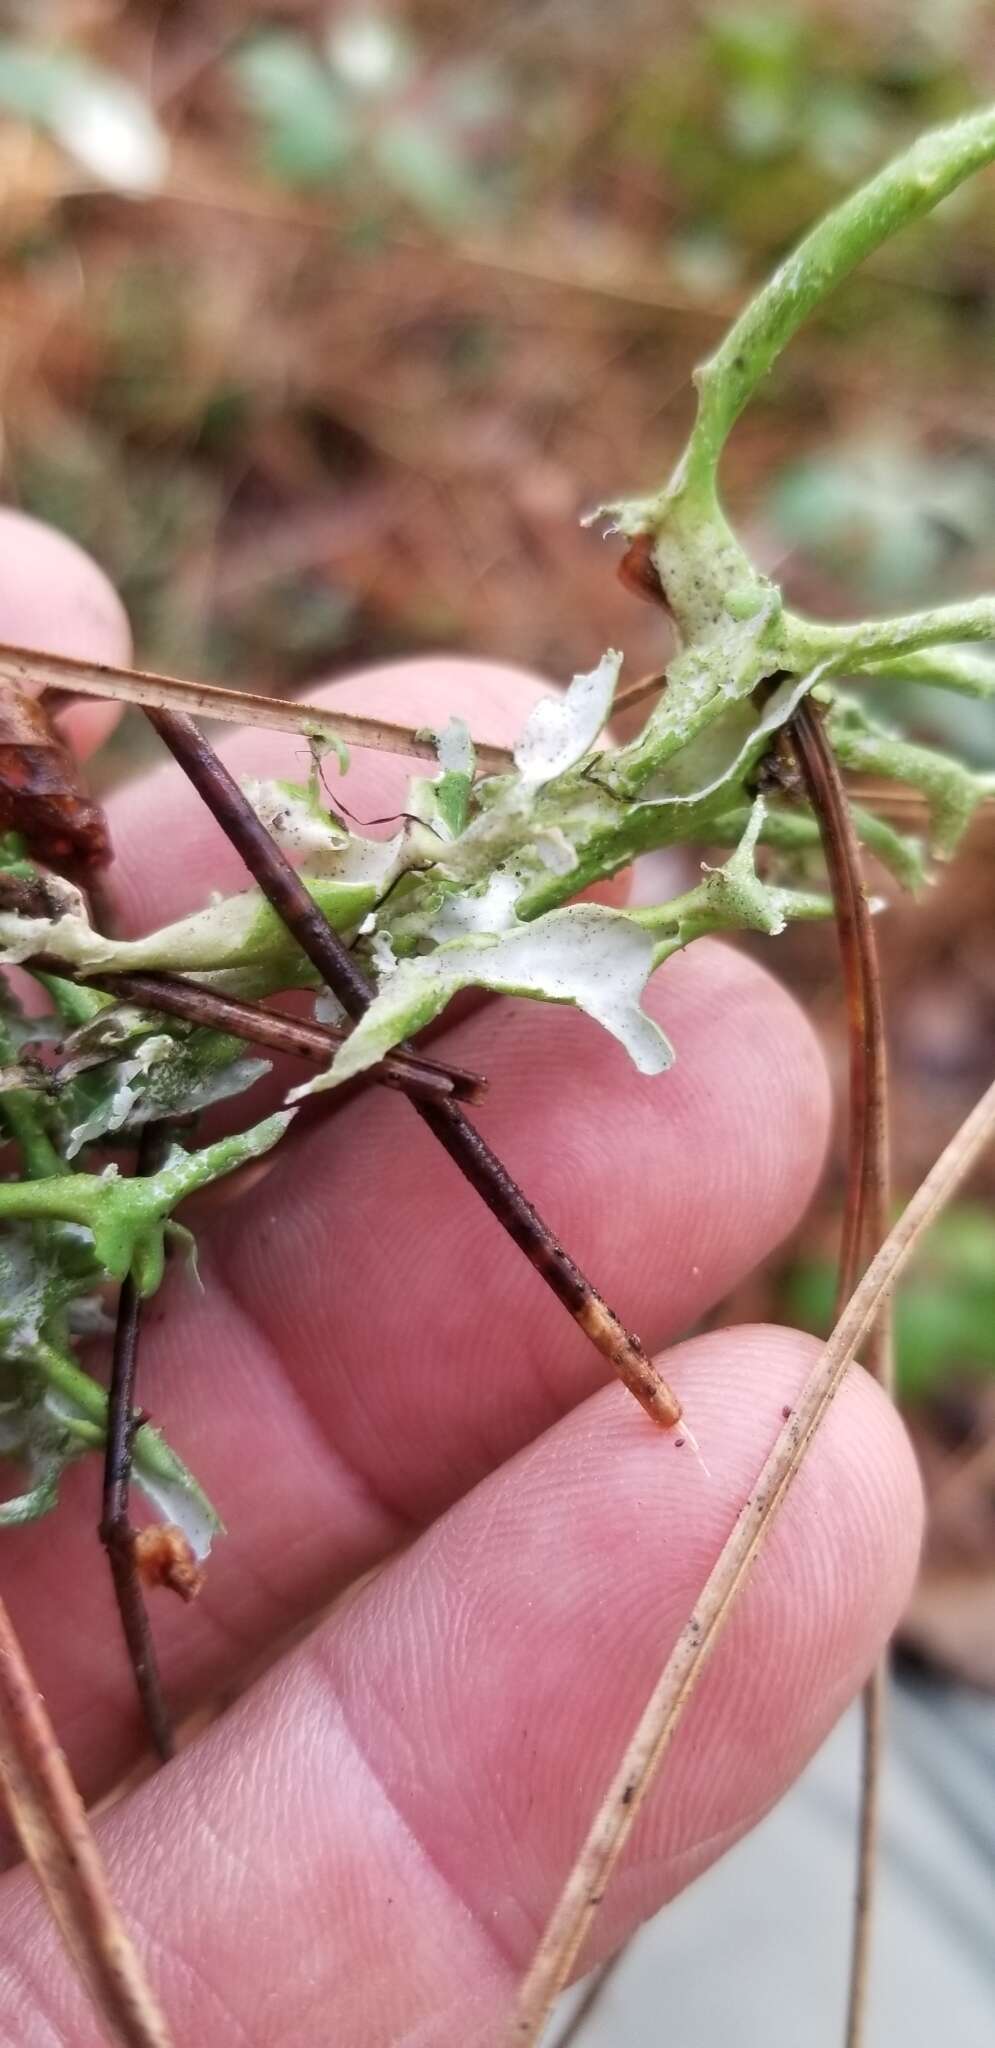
(434, 1088)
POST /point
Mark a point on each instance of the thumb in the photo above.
(55, 598)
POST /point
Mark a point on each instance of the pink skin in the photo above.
(55, 598)
(365, 1847)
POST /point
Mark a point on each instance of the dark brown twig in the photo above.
(46, 1810)
(865, 1226)
(874, 1728)
(507, 1201)
(175, 996)
(869, 1188)
(284, 889)
(117, 1532)
(277, 878)
(868, 1098)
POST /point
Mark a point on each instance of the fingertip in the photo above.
(387, 1819)
(568, 1577)
(55, 597)
(856, 1504)
(751, 1071)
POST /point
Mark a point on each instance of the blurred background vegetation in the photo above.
(320, 326)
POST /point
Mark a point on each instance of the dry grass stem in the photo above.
(23, 665)
(638, 692)
(874, 1728)
(600, 1980)
(117, 1532)
(47, 1813)
(585, 1887)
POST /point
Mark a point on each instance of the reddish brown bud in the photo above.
(638, 571)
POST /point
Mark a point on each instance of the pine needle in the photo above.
(865, 1223)
(47, 1813)
(24, 665)
(585, 1887)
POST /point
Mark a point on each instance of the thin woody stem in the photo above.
(864, 1229)
(507, 1201)
(279, 881)
(414, 1073)
(869, 1189)
(868, 1081)
(284, 889)
(873, 1734)
(116, 1531)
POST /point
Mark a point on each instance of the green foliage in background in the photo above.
(364, 105)
(944, 1314)
(152, 435)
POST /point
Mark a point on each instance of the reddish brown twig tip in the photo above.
(635, 1369)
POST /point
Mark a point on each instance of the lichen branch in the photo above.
(881, 643)
(908, 187)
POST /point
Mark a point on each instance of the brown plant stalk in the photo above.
(282, 886)
(48, 1817)
(865, 1223)
(117, 1532)
(175, 996)
(585, 1887)
(64, 676)
(867, 1197)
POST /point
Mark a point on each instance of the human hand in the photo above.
(364, 1848)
